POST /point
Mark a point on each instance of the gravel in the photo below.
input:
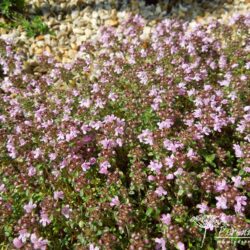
(75, 21)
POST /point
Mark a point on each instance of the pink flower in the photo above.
(119, 142)
(107, 143)
(160, 191)
(92, 247)
(31, 171)
(17, 243)
(209, 225)
(203, 207)
(92, 160)
(180, 246)
(115, 201)
(238, 182)
(238, 151)
(221, 185)
(155, 166)
(247, 66)
(170, 177)
(169, 161)
(225, 82)
(23, 235)
(241, 201)
(37, 153)
(165, 124)
(161, 243)
(104, 167)
(159, 70)
(166, 219)
(179, 171)
(60, 136)
(44, 219)
(2, 188)
(142, 75)
(29, 207)
(225, 218)
(85, 103)
(247, 169)
(38, 243)
(112, 96)
(52, 156)
(85, 166)
(151, 178)
(221, 202)
(66, 210)
(146, 137)
(191, 154)
(58, 195)
(172, 146)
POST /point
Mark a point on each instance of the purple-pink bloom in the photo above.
(247, 66)
(179, 171)
(160, 191)
(66, 210)
(58, 195)
(115, 201)
(146, 137)
(170, 177)
(172, 146)
(31, 171)
(155, 166)
(104, 167)
(202, 207)
(151, 178)
(221, 202)
(221, 186)
(169, 161)
(107, 143)
(180, 246)
(52, 156)
(238, 182)
(2, 187)
(241, 201)
(23, 235)
(92, 247)
(247, 169)
(37, 153)
(238, 151)
(17, 243)
(29, 207)
(85, 166)
(165, 124)
(142, 75)
(38, 243)
(191, 154)
(161, 243)
(225, 218)
(166, 219)
(209, 225)
(44, 219)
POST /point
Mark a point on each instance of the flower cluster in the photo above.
(121, 148)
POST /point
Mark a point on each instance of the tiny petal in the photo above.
(17, 243)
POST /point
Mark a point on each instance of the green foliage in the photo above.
(35, 27)
(8, 7)
(13, 10)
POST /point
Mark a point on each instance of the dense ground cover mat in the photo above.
(124, 147)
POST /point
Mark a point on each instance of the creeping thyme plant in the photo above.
(124, 146)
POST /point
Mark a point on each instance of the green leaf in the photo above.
(210, 159)
(81, 224)
(149, 211)
(180, 192)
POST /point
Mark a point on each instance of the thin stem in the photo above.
(204, 237)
